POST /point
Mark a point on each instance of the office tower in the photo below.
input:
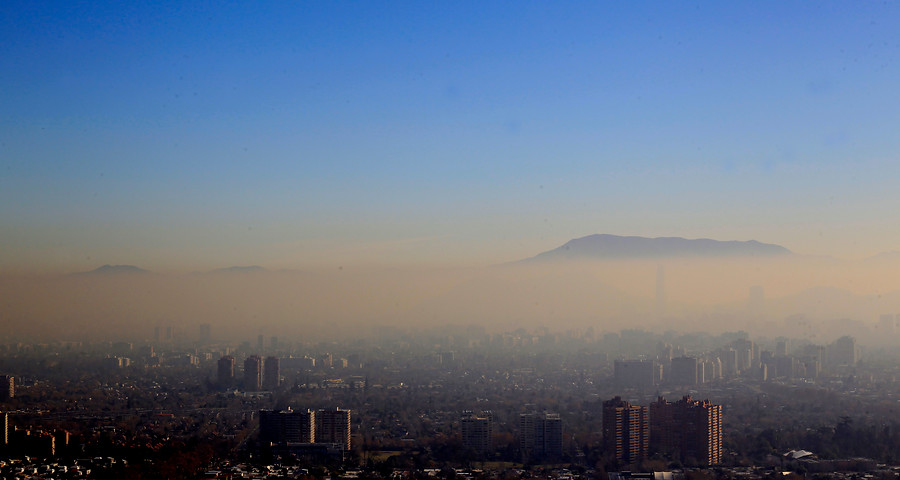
(476, 431)
(226, 371)
(781, 348)
(635, 373)
(287, 426)
(688, 428)
(7, 387)
(744, 354)
(253, 373)
(540, 436)
(843, 352)
(260, 343)
(626, 431)
(272, 377)
(683, 371)
(333, 426)
(4, 429)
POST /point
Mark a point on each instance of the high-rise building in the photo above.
(7, 387)
(843, 352)
(540, 436)
(272, 375)
(626, 430)
(253, 373)
(683, 371)
(226, 371)
(333, 426)
(287, 426)
(4, 429)
(688, 428)
(477, 431)
(635, 373)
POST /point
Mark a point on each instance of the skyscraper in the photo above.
(7, 387)
(253, 373)
(272, 377)
(226, 371)
(540, 436)
(688, 429)
(843, 352)
(626, 430)
(683, 371)
(333, 426)
(476, 431)
(635, 373)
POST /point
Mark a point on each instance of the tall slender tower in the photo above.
(7, 387)
(253, 373)
(626, 430)
(272, 376)
(226, 371)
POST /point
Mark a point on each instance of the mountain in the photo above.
(602, 246)
(116, 269)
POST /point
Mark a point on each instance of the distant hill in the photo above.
(602, 246)
(116, 269)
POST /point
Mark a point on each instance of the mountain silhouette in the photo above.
(603, 246)
(116, 269)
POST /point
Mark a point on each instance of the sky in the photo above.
(295, 134)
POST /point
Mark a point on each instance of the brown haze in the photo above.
(700, 294)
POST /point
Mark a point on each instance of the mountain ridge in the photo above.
(606, 246)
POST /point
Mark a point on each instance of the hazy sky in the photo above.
(296, 133)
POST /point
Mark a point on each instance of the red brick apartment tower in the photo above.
(688, 429)
(626, 431)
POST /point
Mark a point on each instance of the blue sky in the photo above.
(295, 133)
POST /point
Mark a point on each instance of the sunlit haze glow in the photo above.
(387, 162)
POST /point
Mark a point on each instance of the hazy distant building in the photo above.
(333, 426)
(477, 431)
(745, 354)
(626, 431)
(688, 430)
(540, 436)
(781, 348)
(287, 426)
(7, 387)
(225, 371)
(253, 373)
(684, 371)
(843, 352)
(272, 374)
(635, 373)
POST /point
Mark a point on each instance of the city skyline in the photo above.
(304, 135)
